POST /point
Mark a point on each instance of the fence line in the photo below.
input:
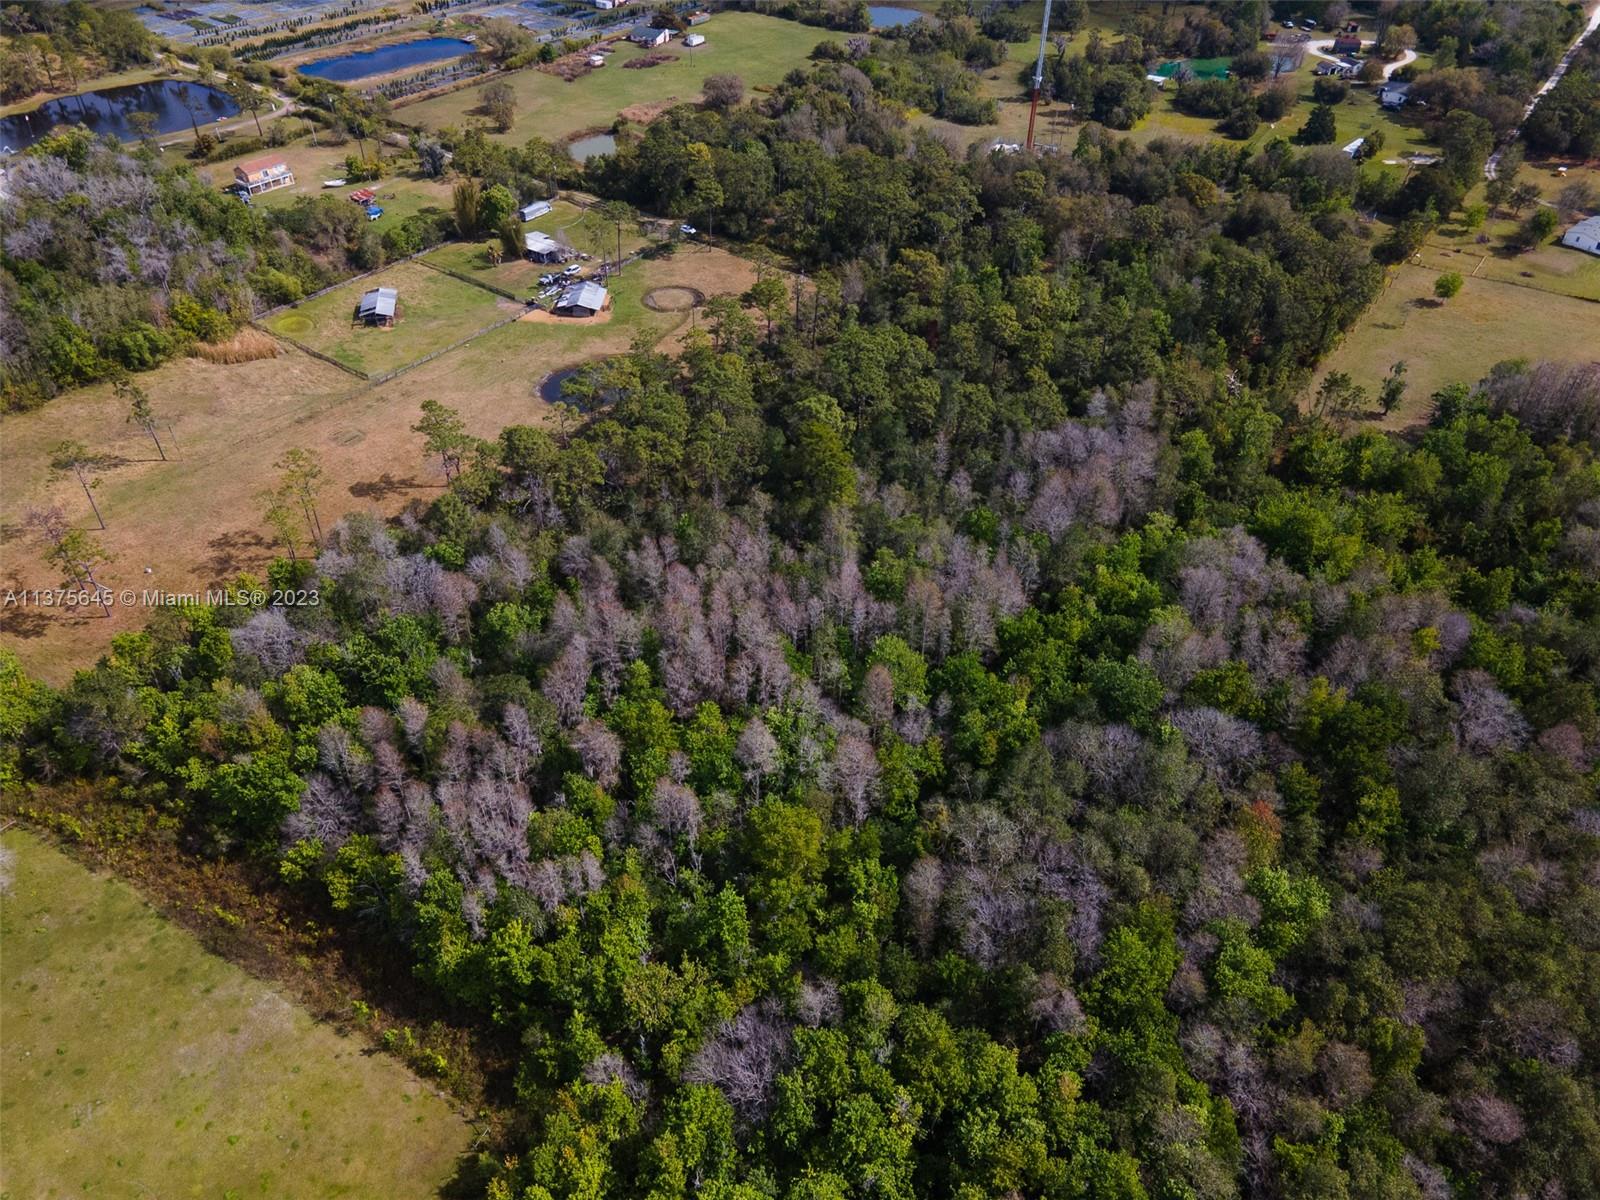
(477, 283)
(305, 349)
(375, 380)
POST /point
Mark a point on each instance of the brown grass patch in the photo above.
(645, 61)
(643, 114)
(245, 346)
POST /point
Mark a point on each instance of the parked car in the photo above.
(687, 229)
(569, 272)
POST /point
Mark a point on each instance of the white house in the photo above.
(532, 212)
(1394, 94)
(648, 35)
(1585, 235)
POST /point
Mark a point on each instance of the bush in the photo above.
(1448, 285)
(1330, 89)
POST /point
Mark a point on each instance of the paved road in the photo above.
(1492, 167)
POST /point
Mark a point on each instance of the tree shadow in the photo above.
(384, 486)
(230, 550)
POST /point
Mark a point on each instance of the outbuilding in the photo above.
(648, 36)
(377, 307)
(695, 39)
(583, 300)
(542, 248)
(1585, 235)
(1353, 148)
(1347, 43)
(532, 212)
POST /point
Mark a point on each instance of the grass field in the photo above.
(137, 1064)
(233, 422)
(1549, 268)
(582, 229)
(434, 311)
(759, 49)
(1457, 341)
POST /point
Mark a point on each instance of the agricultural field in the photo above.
(1456, 340)
(759, 49)
(138, 1064)
(583, 230)
(435, 310)
(232, 422)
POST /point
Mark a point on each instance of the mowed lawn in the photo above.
(400, 196)
(435, 310)
(1459, 340)
(138, 1064)
(1551, 267)
(760, 49)
(581, 228)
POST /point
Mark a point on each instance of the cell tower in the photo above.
(1038, 73)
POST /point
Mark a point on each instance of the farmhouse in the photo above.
(377, 306)
(532, 212)
(647, 35)
(1585, 235)
(695, 39)
(583, 300)
(1347, 43)
(265, 174)
(542, 248)
(1394, 95)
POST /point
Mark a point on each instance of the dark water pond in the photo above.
(550, 390)
(586, 148)
(107, 111)
(386, 58)
(883, 16)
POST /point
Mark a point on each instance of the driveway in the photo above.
(1320, 49)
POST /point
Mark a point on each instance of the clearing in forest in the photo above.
(760, 49)
(1456, 340)
(138, 1064)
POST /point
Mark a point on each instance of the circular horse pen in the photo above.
(673, 299)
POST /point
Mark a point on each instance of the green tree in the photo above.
(466, 198)
(444, 433)
(499, 104)
(299, 480)
(495, 205)
(1448, 285)
(1321, 127)
(75, 459)
(1394, 388)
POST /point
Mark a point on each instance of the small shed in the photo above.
(648, 36)
(699, 17)
(377, 307)
(1585, 235)
(532, 212)
(695, 39)
(1347, 43)
(1353, 148)
(542, 248)
(583, 300)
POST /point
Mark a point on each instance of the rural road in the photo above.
(1320, 49)
(1491, 167)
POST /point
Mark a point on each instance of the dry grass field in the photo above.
(138, 1064)
(197, 520)
(1459, 340)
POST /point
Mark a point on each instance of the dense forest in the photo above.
(956, 729)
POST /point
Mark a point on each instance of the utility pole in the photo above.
(1038, 73)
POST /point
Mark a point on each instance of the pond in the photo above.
(886, 16)
(172, 101)
(386, 59)
(586, 148)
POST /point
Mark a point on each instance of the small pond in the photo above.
(386, 59)
(885, 16)
(586, 148)
(172, 101)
